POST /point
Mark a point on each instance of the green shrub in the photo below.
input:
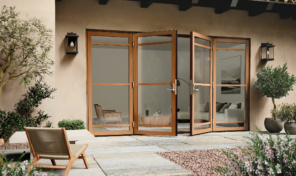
(274, 83)
(10, 122)
(264, 156)
(287, 112)
(72, 124)
(32, 99)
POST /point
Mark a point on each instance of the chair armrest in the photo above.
(234, 115)
(112, 114)
(106, 111)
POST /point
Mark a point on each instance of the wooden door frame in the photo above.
(173, 33)
(90, 83)
(246, 85)
(194, 35)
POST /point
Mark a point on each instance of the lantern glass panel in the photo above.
(271, 53)
(72, 41)
(263, 53)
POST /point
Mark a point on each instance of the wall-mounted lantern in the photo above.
(72, 43)
(267, 51)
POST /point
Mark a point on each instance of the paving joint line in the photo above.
(232, 139)
(99, 165)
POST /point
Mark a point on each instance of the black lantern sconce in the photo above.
(267, 51)
(72, 43)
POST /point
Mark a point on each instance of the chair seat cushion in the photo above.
(76, 150)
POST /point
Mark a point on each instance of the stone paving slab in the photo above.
(201, 147)
(138, 164)
(78, 168)
(77, 172)
(135, 149)
(164, 142)
(78, 164)
(208, 140)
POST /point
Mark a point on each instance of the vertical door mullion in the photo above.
(135, 40)
(89, 82)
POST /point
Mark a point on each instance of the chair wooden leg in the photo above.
(71, 161)
(85, 160)
(34, 162)
(53, 162)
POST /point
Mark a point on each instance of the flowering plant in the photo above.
(10, 168)
(265, 156)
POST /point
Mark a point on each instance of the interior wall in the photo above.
(12, 91)
(78, 16)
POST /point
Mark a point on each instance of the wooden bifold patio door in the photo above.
(219, 76)
(132, 83)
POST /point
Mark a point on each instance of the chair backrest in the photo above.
(99, 111)
(48, 141)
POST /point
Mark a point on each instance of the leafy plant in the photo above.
(72, 124)
(274, 83)
(264, 156)
(10, 122)
(48, 124)
(10, 168)
(288, 112)
(25, 47)
(32, 99)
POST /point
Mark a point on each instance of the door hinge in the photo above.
(133, 124)
(133, 84)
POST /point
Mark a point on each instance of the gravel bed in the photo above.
(199, 162)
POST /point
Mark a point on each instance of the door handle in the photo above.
(195, 90)
(174, 89)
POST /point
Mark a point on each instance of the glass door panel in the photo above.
(201, 76)
(231, 61)
(155, 83)
(110, 80)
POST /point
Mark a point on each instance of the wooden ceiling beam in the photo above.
(257, 8)
(103, 2)
(185, 5)
(285, 14)
(286, 11)
(222, 6)
(146, 3)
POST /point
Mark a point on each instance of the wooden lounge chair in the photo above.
(53, 144)
(105, 116)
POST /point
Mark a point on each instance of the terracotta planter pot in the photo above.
(290, 127)
(1, 141)
(273, 126)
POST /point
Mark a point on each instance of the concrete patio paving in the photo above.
(136, 155)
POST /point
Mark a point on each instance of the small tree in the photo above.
(274, 83)
(25, 46)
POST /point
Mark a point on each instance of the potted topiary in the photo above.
(274, 83)
(288, 114)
